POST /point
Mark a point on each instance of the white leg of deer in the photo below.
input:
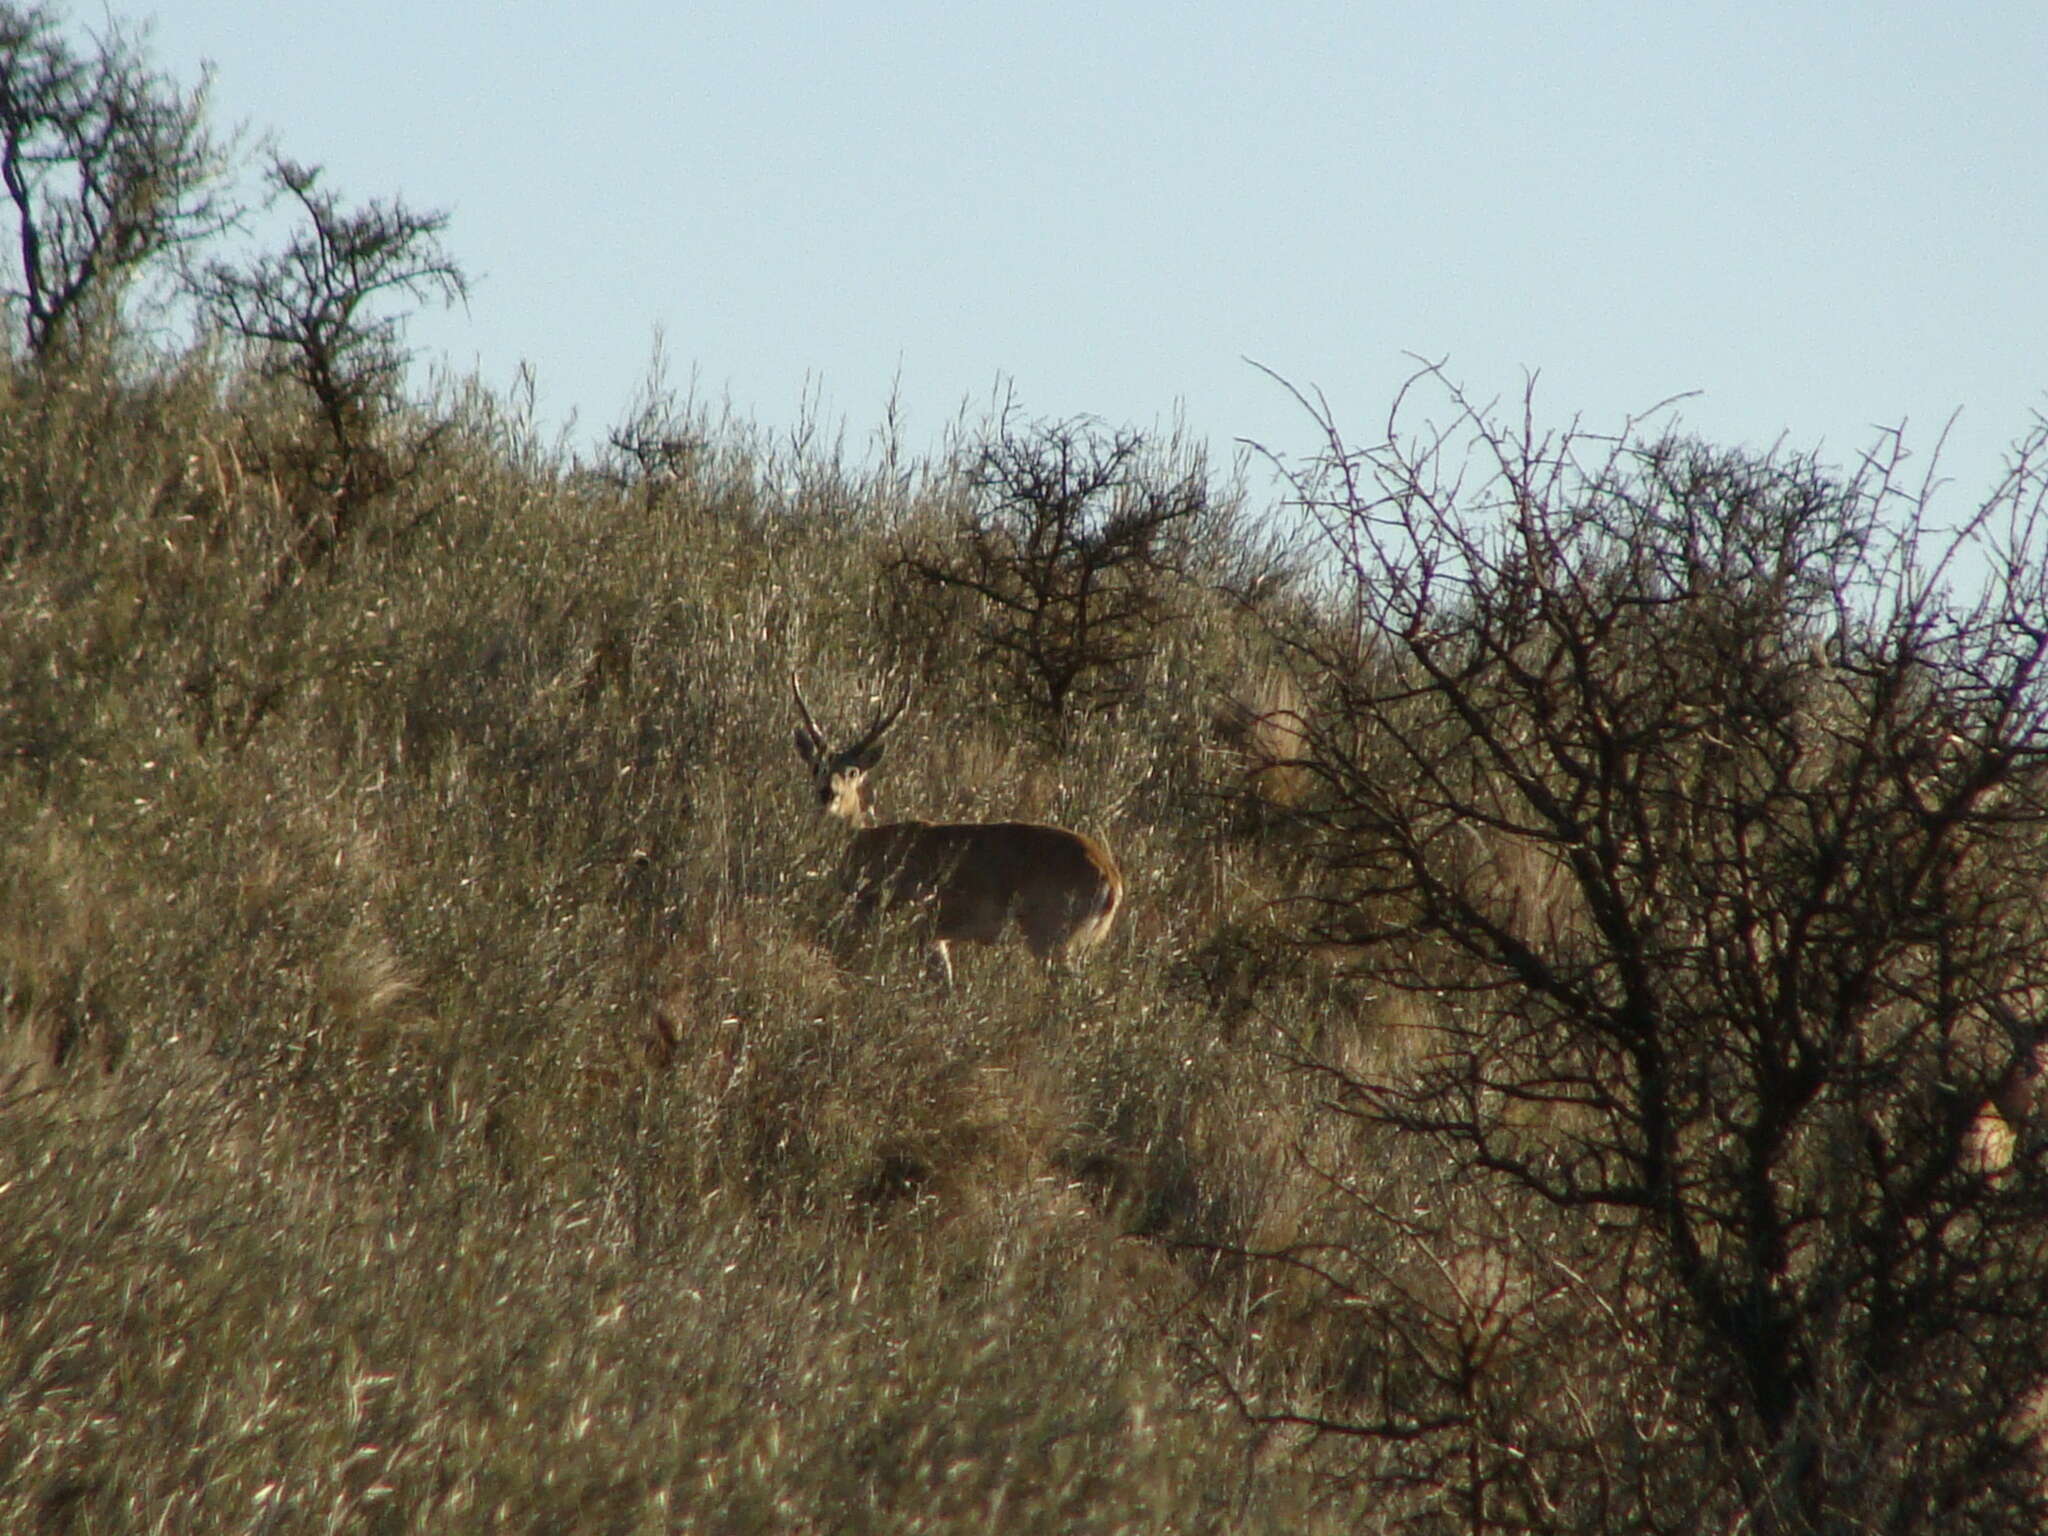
(942, 964)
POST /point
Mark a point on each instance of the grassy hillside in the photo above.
(433, 1096)
(435, 1092)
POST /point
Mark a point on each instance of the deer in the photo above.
(972, 879)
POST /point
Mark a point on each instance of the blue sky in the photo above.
(1823, 218)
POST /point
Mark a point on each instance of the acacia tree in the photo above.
(1064, 556)
(315, 308)
(1697, 800)
(108, 165)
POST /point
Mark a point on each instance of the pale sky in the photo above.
(1822, 217)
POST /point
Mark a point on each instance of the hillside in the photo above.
(437, 1092)
(1566, 1058)
(427, 1087)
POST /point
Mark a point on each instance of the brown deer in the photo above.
(973, 878)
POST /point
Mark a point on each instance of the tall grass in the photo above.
(431, 1096)
(435, 1093)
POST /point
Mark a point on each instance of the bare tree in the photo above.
(662, 443)
(1065, 556)
(108, 165)
(1697, 799)
(316, 307)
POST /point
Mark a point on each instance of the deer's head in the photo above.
(841, 777)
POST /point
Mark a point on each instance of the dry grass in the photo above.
(431, 1096)
(434, 1094)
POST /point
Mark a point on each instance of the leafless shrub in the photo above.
(1061, 566)
(657, 449)
(1701, 794)
(314, 308)
(108, 167)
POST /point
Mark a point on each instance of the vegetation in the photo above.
(1565, 1062)
(311, 311)
(1708, 816)
(109, 168)
(1059, 566)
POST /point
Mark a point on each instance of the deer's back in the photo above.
(1060, 886)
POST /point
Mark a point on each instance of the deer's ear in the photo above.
(806, 746)
(867, 757)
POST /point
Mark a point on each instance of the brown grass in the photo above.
(430, 1096)
(434, 1094)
